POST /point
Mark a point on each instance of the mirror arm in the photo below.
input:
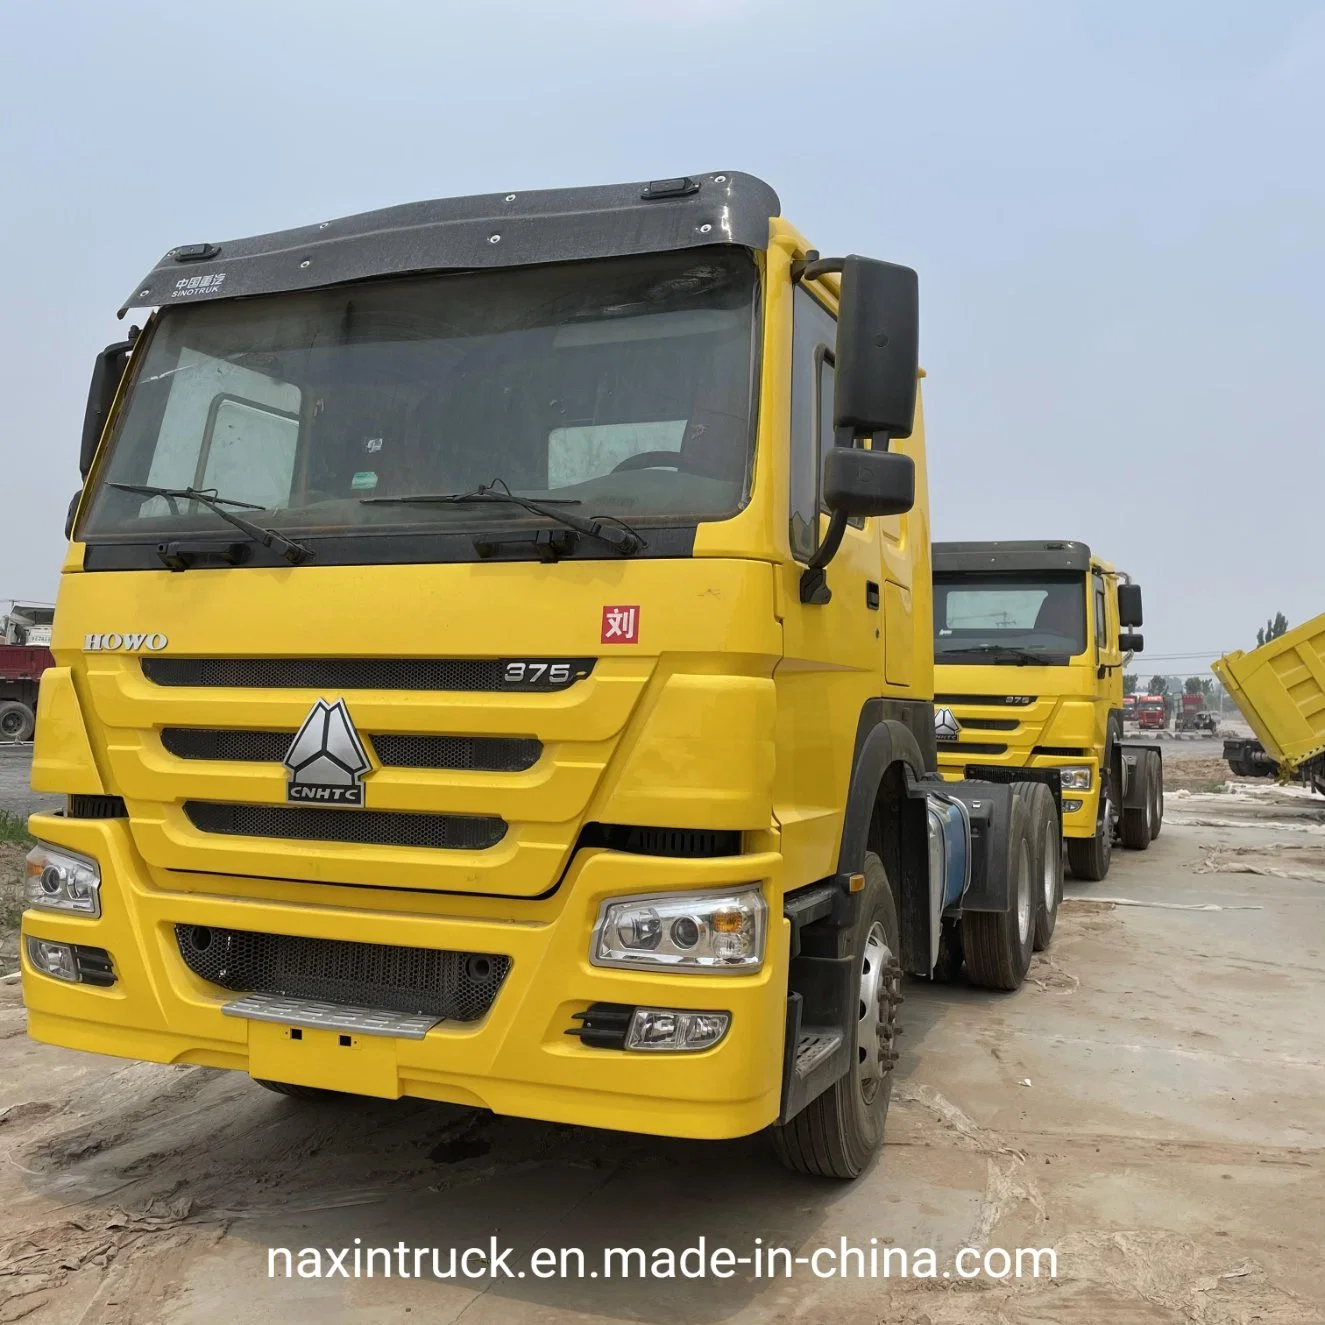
(812, 266)
(814, 583)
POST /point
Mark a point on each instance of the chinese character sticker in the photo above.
(621, 625)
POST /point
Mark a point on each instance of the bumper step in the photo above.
(317, 1015)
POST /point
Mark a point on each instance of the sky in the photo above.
(1111, 204)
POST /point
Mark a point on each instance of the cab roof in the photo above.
(1019, 555)
(462, 234)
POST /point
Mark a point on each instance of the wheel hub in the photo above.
(880, 996)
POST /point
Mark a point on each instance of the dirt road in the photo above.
(1151, 1105)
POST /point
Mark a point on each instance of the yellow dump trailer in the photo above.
(1280, 689)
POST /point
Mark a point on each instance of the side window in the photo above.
(814, 335)
(1102, 640)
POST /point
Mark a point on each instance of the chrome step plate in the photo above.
(812, 1049)
(317, 1015)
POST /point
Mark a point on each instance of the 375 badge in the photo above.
(621, 625)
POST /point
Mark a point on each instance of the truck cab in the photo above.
(1030, 642)
(493, 665)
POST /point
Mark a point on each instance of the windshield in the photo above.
(618, 388)
(1009, 618)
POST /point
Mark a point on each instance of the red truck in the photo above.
(1188, 709)
(24, 656)
(1152, 712)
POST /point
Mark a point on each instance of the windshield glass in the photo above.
(993, 618)
(620, 387)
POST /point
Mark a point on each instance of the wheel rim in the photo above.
(875, 1032)
(1108, 827)
(1052, 857)
(11, 724)
(1024, 892)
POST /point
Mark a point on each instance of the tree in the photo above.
(1130, 683)
(1159, 685)
(1193, 685)
(1272, 629)
(1208, 686)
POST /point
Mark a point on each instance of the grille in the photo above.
(488, 754)
(972, 747)
(989, 724)
(450, 832)
(457, 985)
(481, 754)
(367, 673)
(97, 807)
(697, 842)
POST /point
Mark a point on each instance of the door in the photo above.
(834, 650)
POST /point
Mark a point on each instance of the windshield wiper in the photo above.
(1022, 656)
(293, 552)
(615, 533)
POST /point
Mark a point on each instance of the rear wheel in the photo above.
(1157, 791)
(16, 721)
(1090, 857)
(997, 944)
(838, 1132)
(1047, 836)
(1138, 820)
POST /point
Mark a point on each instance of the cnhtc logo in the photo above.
(326, 759)
(946, 726)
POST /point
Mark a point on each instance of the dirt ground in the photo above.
(1151, 1105)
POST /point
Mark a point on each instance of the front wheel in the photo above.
(1090, 857)
(301, 1092)
(837, 1133)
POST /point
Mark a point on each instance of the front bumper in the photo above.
(517, 1060)
(1079, 822)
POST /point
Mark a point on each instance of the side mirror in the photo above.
(1130, 642)
(71, 513)
(106, 375)
(1129, 605)
(878, 348)
(860, 482)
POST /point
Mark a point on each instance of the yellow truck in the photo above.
(493, 665)
(1280, 690)
(1030, 639)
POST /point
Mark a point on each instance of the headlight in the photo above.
(1075, 777)
(58, 880)
(686, 931)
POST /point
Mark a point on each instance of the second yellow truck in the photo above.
(1030, 639)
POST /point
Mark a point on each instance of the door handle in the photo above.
(871, 595)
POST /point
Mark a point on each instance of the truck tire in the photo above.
(302, 1092)
(1089, 857)
(998, 944)
(838, 1132)
(1139, 820)
(16, 721)
(1047, 836)
(1157, 790)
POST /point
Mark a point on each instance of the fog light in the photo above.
(59, 880)
(1070, 807)
(53, 959)
(673, 1029)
